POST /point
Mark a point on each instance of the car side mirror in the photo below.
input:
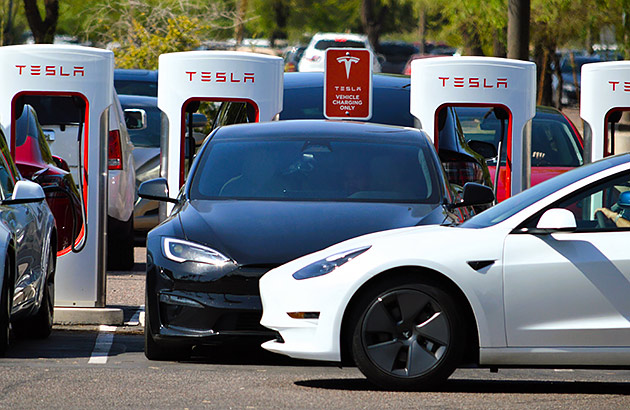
(156, 190)
(485, 149)
(199, 120)
(557, 220)
(475, 194)
(25, 192)
(61, 163)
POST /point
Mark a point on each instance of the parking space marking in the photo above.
(102, 344)
(137, 318)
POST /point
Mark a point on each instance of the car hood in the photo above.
(273, 232)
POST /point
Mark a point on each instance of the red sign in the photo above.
(348, 84)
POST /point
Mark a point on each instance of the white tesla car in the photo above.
(541, 279)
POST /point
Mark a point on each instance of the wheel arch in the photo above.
(420, 274)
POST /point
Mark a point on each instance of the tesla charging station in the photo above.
(85, 75)
(190, 77)
(486, 82)
(605, 95)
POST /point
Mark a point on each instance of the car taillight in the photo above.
(460, 172)
(114, 151)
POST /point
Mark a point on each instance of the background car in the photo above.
(28, 255)
(143, 119)
(36, 163)
(292, 58)
(144, 123)
(535, 281)
(315, 53)
(396, 54)
(136, 82)
(121, 192)
(259, 195)
(556, 144)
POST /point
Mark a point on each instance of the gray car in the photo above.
(28, 255)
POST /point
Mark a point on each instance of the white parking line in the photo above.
(102, 345)
(137, 318)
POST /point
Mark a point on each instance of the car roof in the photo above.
(332, 36)
(321, 129)
(316, 80)
(137, 100)
(136, 74)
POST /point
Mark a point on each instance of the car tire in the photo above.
(40, 325)
(120, 242)
(5, 313)
(408, 335)
(160, 351)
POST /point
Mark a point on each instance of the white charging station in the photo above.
(605, 89)
(480, 81)
(86, 74)
(212, 76)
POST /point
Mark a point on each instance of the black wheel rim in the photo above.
(405, 333)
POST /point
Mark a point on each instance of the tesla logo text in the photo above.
(51, 70)
(219, 77)
(625, 85)
(474, 82)
(348, 61)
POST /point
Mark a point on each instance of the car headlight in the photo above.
(324, 266)
(184, 251)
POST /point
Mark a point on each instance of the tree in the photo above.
(140, 31)
(518, 29)
(385, 16)
(477, 25)
(8, 10)
(43, 29)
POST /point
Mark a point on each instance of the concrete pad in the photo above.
(88, 316)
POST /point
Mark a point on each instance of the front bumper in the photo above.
(314, 339)
(203, 311)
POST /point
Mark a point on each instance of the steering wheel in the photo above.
(602, 221)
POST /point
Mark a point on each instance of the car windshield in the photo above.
(304, 169)
(326, 44)
(553, 143)
(517, 203)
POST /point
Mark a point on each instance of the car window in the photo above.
(320, 169)
(553, 143)
(597, 198)
(326, 44)
(517, 203)
(134, 87)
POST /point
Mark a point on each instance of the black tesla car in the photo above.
(260, 195)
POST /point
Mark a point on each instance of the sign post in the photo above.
(348, 84)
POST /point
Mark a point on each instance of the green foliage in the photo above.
(139, 31)
(142, 47)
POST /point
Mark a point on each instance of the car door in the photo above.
(24, 221)
(570, 288)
